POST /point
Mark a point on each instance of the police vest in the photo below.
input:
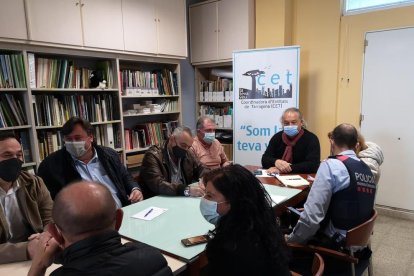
(353, 205)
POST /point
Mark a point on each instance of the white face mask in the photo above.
(208, 209)
(76, 149)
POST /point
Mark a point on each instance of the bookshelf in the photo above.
(214, 98)
(14, 107)
(150, 105)
(61, 87)
(42, 87)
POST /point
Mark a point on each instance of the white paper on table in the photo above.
(147, 214)
(276, 199)
(293, 180)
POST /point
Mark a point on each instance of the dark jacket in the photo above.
(244, 258)
(306, 153)
(58, 170)
(155, 175)
(353, 205)
(36, 207)
(104, 254)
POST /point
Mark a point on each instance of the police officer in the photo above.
(342, 195)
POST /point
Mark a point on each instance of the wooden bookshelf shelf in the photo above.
(13, 89)
(92, 123)
(136, 150)
(150, 97)
(107, 122)
(214, 102)
(72, 90)
(15, 127)
(119, 149)
(151, 114)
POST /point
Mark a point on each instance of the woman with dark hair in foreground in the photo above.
(247, 240)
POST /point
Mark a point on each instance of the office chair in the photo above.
(356, 238)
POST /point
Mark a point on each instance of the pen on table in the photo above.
(293, 179)
(148, 212)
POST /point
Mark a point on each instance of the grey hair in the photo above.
(294, 109)
(200, 121)
(178, 131)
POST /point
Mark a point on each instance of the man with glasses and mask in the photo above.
(294, 149)
(25, 204)
(206, 147)
(82, 159)
(170, 168)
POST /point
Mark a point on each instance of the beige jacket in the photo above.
(36, 207)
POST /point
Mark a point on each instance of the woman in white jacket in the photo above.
(371, 154)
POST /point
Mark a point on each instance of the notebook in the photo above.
(293, 180)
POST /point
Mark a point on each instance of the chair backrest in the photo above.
(359, 235)
(318, 265)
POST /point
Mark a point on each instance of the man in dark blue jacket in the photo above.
(82, 159)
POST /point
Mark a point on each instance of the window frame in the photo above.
(375, 8)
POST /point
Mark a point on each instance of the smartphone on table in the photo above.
(195, 240)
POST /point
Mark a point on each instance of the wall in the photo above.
(273, 23)
(331, 55)
(188, 98)
(316, 30)
(353, 29)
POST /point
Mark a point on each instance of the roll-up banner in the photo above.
(266, 82)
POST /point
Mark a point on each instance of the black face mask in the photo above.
(10, 169)
(179, 152)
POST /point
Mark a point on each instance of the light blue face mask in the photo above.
(209, 137)
(291, 130)
(208, 209)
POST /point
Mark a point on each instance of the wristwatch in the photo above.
(187, 191)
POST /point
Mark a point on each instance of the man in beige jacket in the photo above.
(25, 204)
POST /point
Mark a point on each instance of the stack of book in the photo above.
(11, 111)
(55, 110)
(220, 90)
(223, 116)
(108, 135)
(49, 142)
(146, 83)
(147, 107)
(12, 73)
(145, 135)
(219, 84)
(63, 73)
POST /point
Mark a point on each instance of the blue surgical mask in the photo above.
(209, 137)
(208, 209)
(291, 130)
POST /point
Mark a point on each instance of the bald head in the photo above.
(345, 136)
(84, 207)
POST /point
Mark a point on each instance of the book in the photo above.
(12, 73)
(60, 72)
(54, 110)
(25, 141)
(293, 180)
(109, 136)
